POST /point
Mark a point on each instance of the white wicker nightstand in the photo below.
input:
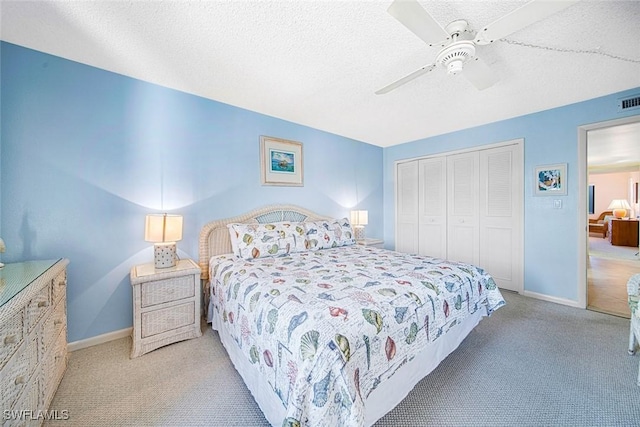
(375, 243)
(166, 305)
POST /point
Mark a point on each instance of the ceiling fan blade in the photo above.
(531, 12)
(479, 74)
(413, 16)
(406, 79)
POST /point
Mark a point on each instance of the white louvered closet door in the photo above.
(433, 207)
(465, 207)
(407, 207)
(463, 232)
(500, 215)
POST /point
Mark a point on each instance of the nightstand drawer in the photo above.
(159, 291)
(166, 319)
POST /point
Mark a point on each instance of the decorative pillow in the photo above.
(328, 234)
(250, 241)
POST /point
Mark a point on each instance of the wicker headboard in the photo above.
(214, 236)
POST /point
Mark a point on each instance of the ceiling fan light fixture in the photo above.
(455, 55)
(454, 67)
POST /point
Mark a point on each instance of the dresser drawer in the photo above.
(159, 291)
(59, 286)
(166, 319)
(15, 375)
(37, 307)
(54, 324)
(11, 336)
(55, 363)
(27, 407)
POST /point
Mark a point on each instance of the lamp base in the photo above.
(619, 213)
(164, 255)
(358, 232)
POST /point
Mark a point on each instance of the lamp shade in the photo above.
(2, 249)
(161, 228)
(619, 207)
(359, 217)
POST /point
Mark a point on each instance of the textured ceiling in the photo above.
(318, 63)
(614, 149)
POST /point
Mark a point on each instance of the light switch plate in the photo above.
(557, 204)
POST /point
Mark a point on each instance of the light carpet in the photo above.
(604, 249)
(532, 363)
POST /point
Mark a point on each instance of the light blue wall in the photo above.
(551, 136)
(87, 153)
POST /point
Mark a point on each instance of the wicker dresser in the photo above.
(33, 339)
(166, 305)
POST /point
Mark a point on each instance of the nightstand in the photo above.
(166, 305)
(375, 243)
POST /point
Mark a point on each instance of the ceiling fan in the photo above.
(458, 41)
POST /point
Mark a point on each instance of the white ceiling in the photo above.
(318, 63)
(614, 149)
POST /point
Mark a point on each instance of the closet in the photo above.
(465, 206)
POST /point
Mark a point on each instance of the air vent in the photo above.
(629, 103)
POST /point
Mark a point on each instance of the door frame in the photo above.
(583, 211)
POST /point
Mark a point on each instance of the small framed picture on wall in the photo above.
(551, 180)
(281, 162)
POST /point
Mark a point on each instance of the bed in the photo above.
(327, 332)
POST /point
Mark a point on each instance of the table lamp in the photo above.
(619, 207)
(164, 231)
(358, 220)
(2, 249)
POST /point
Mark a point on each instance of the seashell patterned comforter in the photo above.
(327, 327)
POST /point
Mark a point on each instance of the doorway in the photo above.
(609, 170)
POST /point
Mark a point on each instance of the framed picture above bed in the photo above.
(551, 180)
(281, 162)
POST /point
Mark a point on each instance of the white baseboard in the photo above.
(100, 339)
(563, 301)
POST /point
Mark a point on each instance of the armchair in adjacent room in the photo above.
(633, 292)
(600, 225)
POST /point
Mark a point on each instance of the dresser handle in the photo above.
(11, 339)
(57, 322)
(19, 380)
(43, 304)
(63, 283)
